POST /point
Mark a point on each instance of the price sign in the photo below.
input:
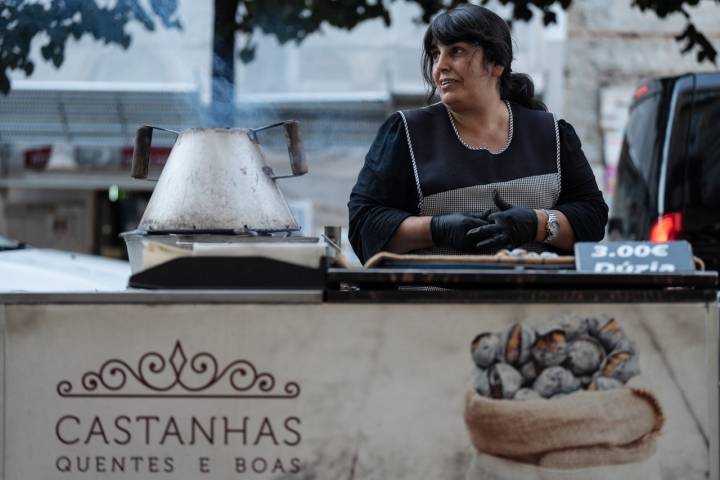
(634, 257)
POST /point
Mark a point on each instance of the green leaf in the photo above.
(696, 39)
(522, 12)
(247, 53)
(167, 11)
(24, 21)
(549, 17)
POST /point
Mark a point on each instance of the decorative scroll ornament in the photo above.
(177, 377)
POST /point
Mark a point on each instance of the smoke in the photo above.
(221, 112)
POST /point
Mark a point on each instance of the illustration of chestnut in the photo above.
(484, 349)
(621, 366)
(554, 380)
(584, 356)
(526, 394)
(550, 348)
(515, 344)
(572, 324)
(607, 331)
(504, 381)
(480, 382)
(529, 371)
(605, 383)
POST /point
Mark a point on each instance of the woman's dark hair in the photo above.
(480, 26)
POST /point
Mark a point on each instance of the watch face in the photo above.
(553, 227)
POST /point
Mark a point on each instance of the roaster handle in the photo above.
(141, 152)
(296, 149)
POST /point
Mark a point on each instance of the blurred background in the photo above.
(67, 129)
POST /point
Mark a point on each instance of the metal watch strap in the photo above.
(552, 226)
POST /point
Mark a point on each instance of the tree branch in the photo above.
(24, 21)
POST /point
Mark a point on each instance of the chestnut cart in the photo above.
(360, 380)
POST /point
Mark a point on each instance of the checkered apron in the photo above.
(431, 132)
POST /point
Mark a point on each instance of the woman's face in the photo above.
(462, 77)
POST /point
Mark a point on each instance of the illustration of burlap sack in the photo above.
(581, 430)
(484, 466)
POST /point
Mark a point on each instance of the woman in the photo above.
(485, 168)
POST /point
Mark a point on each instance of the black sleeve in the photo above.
(385, 193)
(580, 199)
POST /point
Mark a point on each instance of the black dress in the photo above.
(418, 165)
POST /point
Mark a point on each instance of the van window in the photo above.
(635, 198)
(642, 136)
(693, 175)
(704, 151)
(676, 187)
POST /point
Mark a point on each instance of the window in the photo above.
(642, 135)
(704, 151)
(635, 202)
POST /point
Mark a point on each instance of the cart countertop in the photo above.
(460, 286)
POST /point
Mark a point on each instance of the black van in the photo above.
(668, 176)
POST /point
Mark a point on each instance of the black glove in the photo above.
(450, 230)
(510, 227)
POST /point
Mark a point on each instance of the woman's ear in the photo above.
(497, 70)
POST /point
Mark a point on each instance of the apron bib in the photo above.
(452, 177)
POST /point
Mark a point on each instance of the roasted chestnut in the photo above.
(605, 383)
(572, 324)
(554, 380)
(504, 380)
(529, 371)
(585, 381)
(607, 331)
(621, 366)
(515, 344)
(550, 348)
(526, 394)
(484, 349)
(584, 356)
(480, 382)
(625, 345)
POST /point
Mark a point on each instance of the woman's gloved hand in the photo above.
(451, 230)
(510, 227)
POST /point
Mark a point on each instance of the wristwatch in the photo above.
(552, 226)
